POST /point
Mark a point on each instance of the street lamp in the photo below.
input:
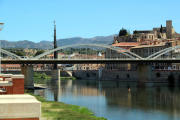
(1, 27)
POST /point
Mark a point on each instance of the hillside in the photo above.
(60, 42)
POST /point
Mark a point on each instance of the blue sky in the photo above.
(33, 19)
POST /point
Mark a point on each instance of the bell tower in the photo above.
(169, 29)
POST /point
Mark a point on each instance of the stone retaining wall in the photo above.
(125, 75)
(111, 74)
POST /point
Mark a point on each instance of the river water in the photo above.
(117, 100)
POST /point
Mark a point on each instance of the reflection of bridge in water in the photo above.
(123, 95)
(144, 71)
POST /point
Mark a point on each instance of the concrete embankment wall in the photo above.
(111, 74)
(157, 75)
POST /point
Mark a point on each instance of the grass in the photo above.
(62, 78)
(67, 78)
(52, 110)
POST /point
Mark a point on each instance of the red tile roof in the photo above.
(124, 51)
(61, 53)
(127, 44)
(12, 65)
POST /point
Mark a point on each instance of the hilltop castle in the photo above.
(137, 36)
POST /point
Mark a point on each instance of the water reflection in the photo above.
(111, 99)
(56, 89)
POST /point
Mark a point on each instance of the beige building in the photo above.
(118, 55)
(144, 43)
(147, 50)
(10, 67)
(89, 66)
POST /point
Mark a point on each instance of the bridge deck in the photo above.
(84, 61)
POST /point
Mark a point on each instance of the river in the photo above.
(117, 100)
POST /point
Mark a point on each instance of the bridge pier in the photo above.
(100, 73)
(144, 75)
(27, 71)
(55, 76)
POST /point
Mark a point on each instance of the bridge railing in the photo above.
(88, 59)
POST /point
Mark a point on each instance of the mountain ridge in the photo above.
(44, 44)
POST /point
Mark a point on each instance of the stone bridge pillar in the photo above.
(144, 75)
(27, 71)
(55, 75)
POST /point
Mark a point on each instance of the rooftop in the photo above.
(127, 44)
(145, 46)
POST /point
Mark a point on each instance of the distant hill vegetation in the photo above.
(60, 42)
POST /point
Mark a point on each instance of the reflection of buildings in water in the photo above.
(89, 91)
(69, 84)
(145, 98)
(116, 96)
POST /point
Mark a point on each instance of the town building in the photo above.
(147, 50)
(90, 66)
(119, 55)
(145, 43)
(10, 67)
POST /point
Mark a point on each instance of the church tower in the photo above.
(169, 29)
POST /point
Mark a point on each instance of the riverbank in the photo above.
(52, 110)
(67, 78)
(62, 78)
(48, 77)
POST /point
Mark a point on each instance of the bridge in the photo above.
(130, 56)
(90, 55)
(90, 61)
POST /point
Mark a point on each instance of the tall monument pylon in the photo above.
(55, 72)
(55, 46)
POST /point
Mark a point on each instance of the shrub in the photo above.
(158, 74)
(87, 74)
(39, 76)
(171, 78)
(35, 74)
(94, 74)
(128, 76)
(43, 76)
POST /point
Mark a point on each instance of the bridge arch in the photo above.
(161, 52)
(118, 49)
(10, 54)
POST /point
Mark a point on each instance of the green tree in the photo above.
(161, 29)
(171, 78)
(128, 32)
(135, 32)
(43, 76)
(122, 32)
(19, 53)
(39, 52)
